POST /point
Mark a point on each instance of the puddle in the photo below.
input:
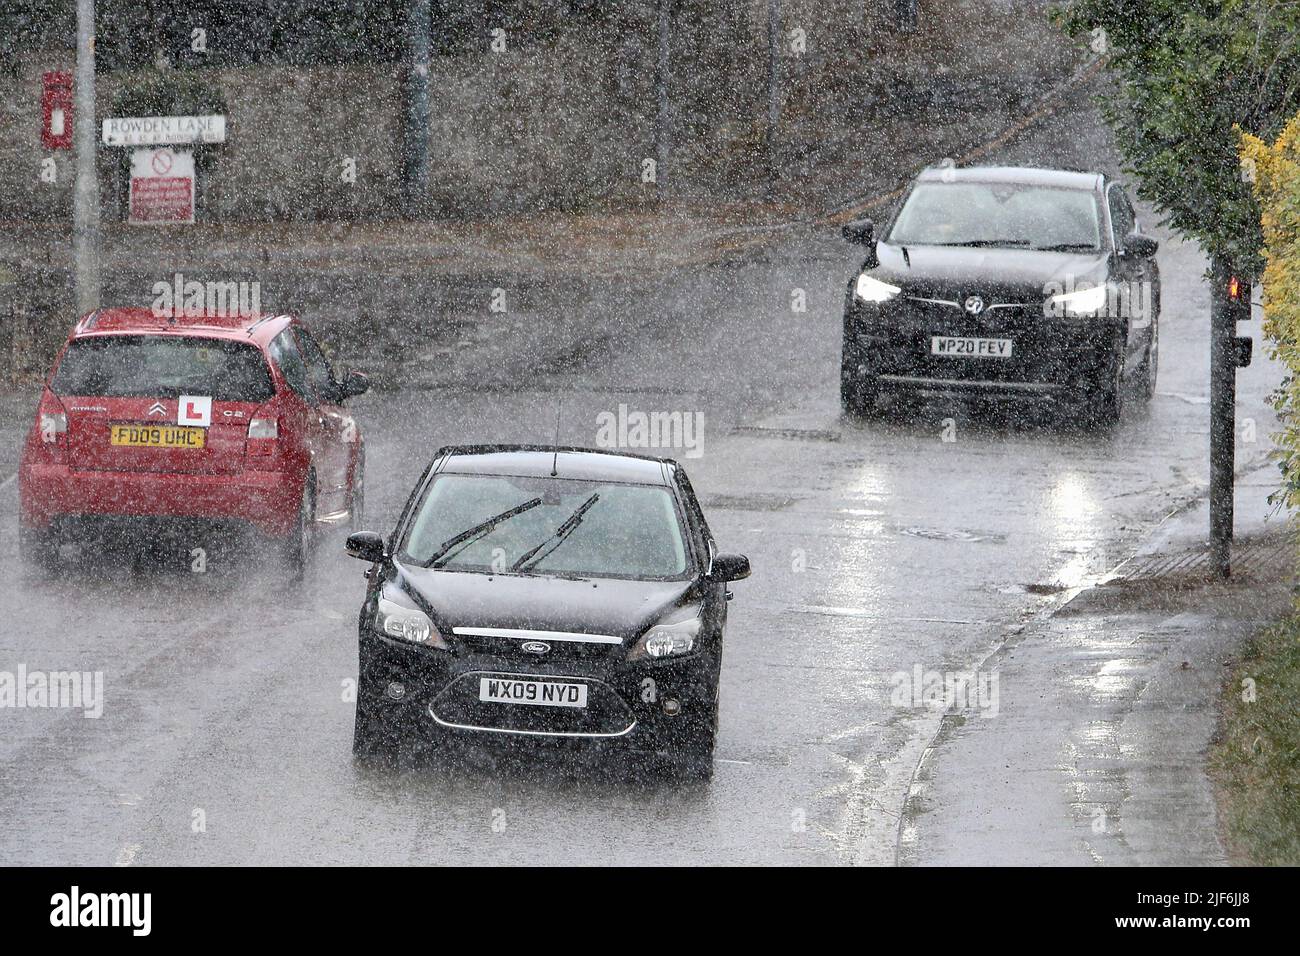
(748, 502)
(940, 534)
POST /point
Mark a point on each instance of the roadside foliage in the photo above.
(1274, 170)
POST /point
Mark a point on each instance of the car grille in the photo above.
(520, 644)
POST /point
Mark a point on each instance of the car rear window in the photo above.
(124, 366)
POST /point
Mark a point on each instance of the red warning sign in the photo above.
(162, 186)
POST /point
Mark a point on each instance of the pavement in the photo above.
(1096, 751)
(927, 540)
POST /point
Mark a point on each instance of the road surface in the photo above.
(877, 549)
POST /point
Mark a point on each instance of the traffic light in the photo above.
(1239, 311)
(1238, 299)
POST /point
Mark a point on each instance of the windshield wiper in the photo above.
(563, 531)
(470, 535)
(987, 242)
(1068, 247)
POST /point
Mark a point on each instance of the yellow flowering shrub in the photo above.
(1274, 171)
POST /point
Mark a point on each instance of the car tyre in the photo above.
(357, 499)
(300, 544)
(1105, 404)
(373, 741)
(38, 548)
(858, 393)
(1150, 367)
(691, 761)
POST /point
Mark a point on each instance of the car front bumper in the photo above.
(625, 700)
(891, 344)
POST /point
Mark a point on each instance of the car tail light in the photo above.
(263, 432)
(54, 425)
(51, 428)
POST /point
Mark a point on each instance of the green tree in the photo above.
(1190, 76)
(1187, 72)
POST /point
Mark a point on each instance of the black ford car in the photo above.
(547, 593)
(1004, 281)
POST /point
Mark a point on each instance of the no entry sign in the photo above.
(162, 186)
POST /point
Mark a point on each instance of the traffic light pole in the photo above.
(416, 168)
(85, 190)
(1223, 408)
(663, 114)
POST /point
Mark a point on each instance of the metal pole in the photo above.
(905, 14)
(1223, 407)
(661, 95)
(773, 67)
(415, 179)
(85, 191)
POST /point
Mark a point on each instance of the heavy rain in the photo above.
(649, 432)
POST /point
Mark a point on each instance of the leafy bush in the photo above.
(1275, 173)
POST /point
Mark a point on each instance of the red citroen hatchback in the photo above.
(234, 419)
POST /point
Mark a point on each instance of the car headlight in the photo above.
(873, 290)
(1081, 302)
(407, 624)
(667, 640)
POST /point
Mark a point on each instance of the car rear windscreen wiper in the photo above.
(531, 557)
(454, 546)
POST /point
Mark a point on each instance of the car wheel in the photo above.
(1146, 374)
(373, 741)
(858, 392)
(39, 549)
(1106, 404)
(691, 759)
(357, 500)
(300, 544)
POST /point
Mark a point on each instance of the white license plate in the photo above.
(542, 693)
(956, 346)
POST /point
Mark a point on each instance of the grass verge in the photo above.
(1257, 761)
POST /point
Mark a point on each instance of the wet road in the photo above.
(877, 548)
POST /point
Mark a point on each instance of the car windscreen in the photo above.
(149, 366)
(998, 214)
(627, 531)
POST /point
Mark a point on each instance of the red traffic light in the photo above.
(1234, 289)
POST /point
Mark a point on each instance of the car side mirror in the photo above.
(729, 567)
(367, 546)
(1140, 246)
(860, 232)
(352, 384)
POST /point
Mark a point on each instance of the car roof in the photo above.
(1021, 175)
(258, 327)
(587, 464)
